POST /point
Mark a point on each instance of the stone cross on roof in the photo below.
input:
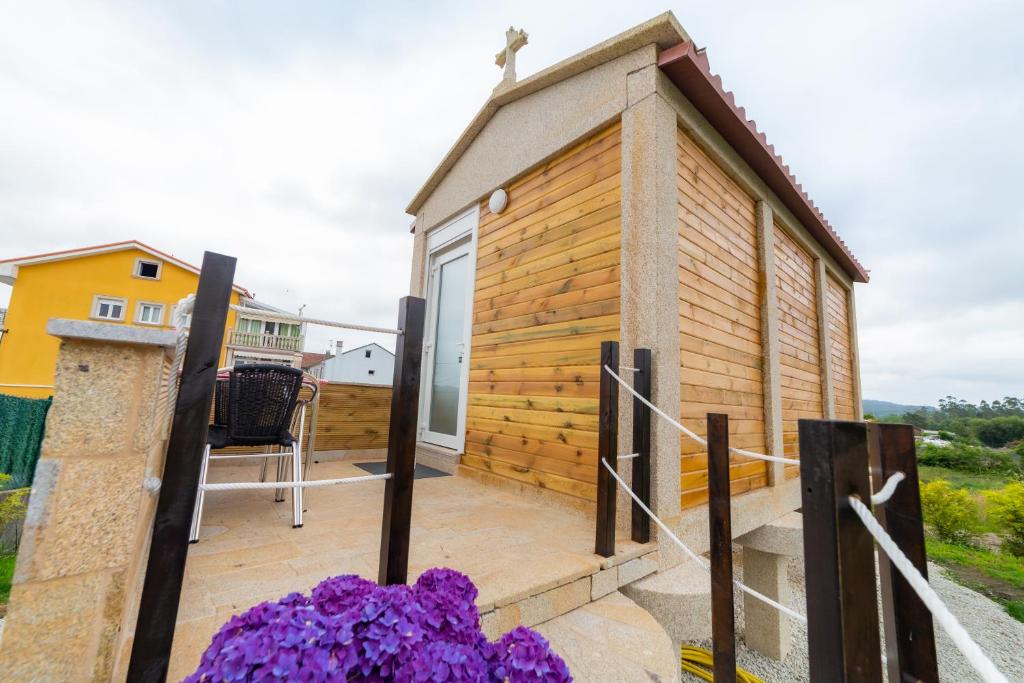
(507, 57)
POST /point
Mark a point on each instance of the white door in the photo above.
(449, 291)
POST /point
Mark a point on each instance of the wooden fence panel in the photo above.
(353, 416)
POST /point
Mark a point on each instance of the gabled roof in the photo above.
(310, 359)
(663, 30)
(360, 348)
(9, 267)
(687, 67)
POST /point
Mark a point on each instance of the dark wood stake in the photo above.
(909, 631)
(165, 567)
(405, 401)
(842, 611)
(640, 523)
(607, 450)
(723, 618)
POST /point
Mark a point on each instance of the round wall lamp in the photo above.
(498, 201)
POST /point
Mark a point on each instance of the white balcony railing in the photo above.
(258, 340)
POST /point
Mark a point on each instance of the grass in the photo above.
(962, 480)
(6, 576)
(999, 576)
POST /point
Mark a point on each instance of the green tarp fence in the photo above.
(22, 423)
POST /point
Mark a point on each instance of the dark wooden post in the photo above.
(640, 523)
(723, 618)
(909, 632)
(165, 567)
(607, 450)
(842, 612)
(405, 402)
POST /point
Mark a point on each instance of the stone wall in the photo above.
(79, 570)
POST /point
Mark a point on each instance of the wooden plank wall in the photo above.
(719, 319)
(546, 295)
(799, 355)
(838, 313)
(352, 416)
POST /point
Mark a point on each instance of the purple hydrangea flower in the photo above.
(526, 657)
(351, 629)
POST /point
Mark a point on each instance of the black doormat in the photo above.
(422, 471)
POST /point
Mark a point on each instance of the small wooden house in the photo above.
(622, 195)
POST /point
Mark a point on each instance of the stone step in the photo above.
(679, 599)
(544, 601)
(613, 639)
(443, 459)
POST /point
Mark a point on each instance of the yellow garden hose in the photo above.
(698, 661)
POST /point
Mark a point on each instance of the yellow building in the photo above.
(127, 283)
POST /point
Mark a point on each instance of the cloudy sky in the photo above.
(292, 135)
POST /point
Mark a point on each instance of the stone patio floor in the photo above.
(510, 545)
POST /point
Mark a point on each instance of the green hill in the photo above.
(882, 409)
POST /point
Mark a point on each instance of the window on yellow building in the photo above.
(108, 308)
(149, 313)
(147, 270)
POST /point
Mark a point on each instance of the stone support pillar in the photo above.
(858, 398)
(79, 569)
(824, 342)
(650, 277)
(770, 341)
(419, 259)
(766, 554)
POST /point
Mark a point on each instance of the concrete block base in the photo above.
(766, 629)
(766, 552)
(679, 599)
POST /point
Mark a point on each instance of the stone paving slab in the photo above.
(521, 553)
(613, 639)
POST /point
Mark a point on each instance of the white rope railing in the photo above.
(315, 483)
(697, 558)
(885, 493)
(180, 318)
(693, 435)
(974, 654)
(298, 319)
(950, 624)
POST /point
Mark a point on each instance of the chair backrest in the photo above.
(220, 402)
(261, 401)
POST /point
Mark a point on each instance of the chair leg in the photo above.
(279, 493)
(197, 511)
(307, 466)
(297, 490)
(263, 468)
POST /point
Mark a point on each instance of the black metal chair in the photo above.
(254, 407)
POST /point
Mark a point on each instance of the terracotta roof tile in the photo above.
(690, 71)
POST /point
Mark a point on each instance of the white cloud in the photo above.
(293, 137)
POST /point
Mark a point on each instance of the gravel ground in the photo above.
(996, 632)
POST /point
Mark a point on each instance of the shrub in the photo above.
(1006, 507)
(999, 431)
(13, 506)
(965, 458)
(952, 514)
(351, 629)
